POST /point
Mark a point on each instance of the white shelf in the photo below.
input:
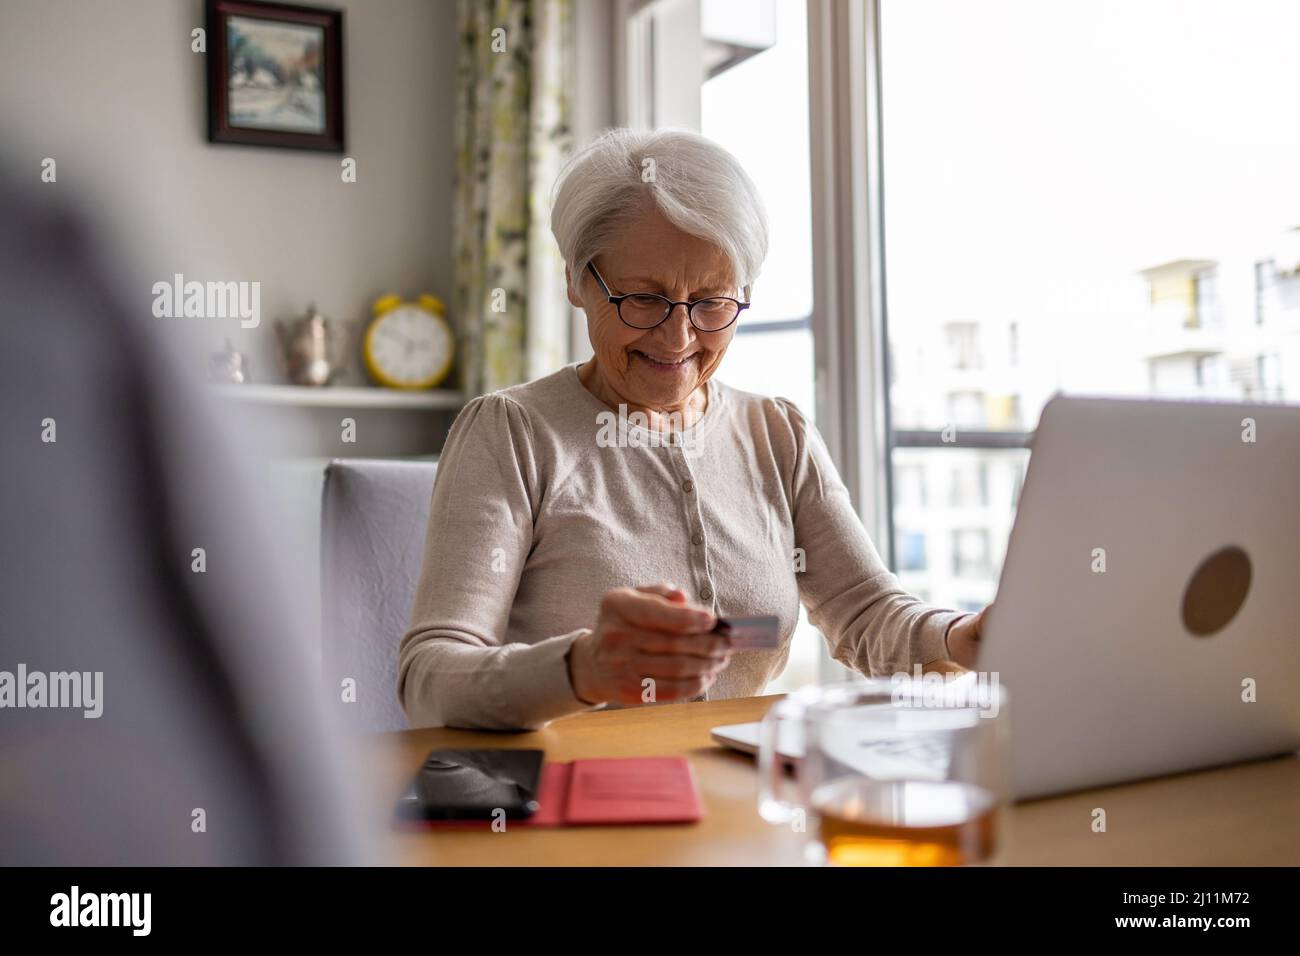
(329, 396)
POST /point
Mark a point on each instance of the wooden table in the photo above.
(1241, 815)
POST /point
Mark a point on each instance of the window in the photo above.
(1058, 202)
(1265, 276)
(970, 552)
(773, 352)
(1076, 196)
(1268, 373)
(963, 344)
(966, 409)
(911, 551)
(1208, 312)
(909, 491)
(970, 485)
(1209, 370)
(718, 66)
(704, 64)
(978, 491)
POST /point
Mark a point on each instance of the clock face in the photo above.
(409, 347)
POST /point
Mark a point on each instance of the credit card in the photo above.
(745, 633)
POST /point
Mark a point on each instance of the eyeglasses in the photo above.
(645, 310)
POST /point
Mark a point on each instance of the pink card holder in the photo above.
(605, 790)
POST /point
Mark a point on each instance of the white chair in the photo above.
(373, 519)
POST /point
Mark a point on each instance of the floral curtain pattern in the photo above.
(513, 133)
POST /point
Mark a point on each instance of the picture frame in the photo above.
(275, 75)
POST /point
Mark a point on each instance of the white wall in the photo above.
(112, 91)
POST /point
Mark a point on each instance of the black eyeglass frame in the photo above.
(617, 301)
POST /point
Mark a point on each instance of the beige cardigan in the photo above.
(545, 500)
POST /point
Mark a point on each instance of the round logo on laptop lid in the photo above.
(1216, 591)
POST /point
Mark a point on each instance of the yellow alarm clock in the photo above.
(409, 344)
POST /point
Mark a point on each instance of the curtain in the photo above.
(513, 133)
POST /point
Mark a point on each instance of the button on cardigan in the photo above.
(545, 499)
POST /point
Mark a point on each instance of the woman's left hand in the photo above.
(964, 639)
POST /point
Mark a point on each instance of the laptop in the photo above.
(1147, 619)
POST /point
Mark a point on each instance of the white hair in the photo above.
(696, 184)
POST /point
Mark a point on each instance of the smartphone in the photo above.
(474, 785)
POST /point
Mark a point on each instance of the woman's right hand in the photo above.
(643, 633)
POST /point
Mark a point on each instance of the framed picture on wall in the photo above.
(275, 75)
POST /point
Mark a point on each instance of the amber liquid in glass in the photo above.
(905, 822)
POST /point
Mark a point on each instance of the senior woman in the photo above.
(570, 565)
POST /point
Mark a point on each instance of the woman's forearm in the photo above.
(451, 680)
(881, 630)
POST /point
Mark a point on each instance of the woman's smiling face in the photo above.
(659, 368)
